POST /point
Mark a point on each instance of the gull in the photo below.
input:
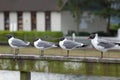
(69, 44)
(16, 43)
(101, 44)
(42, 45)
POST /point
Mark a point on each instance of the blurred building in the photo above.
(44, 15)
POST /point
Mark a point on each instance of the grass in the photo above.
(61, 52)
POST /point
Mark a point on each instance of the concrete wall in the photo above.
(62, 65)
(40, 22)
(13, 21)
(67, 22)
(55, 21)
(26, 21)
(1, 21)
(89, 23)
(92, 23)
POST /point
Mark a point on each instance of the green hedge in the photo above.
(100, 33)
(31, 35)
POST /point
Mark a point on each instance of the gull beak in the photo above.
(88, 38)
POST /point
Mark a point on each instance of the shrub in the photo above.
(115, 26)
(102, 33)
(31, 35)
(83, 34)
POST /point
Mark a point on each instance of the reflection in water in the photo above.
(51, 76)
(15, 75)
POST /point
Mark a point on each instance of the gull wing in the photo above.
(71, 44)
(45, 44)
(105, 44)
(19, 43)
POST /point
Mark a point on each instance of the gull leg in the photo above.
(39, 51)
(42, 52)
(11, 50)
(101, 54)
(16, 51)
(67, 53)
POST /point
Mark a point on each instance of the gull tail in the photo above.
(117, 44)
(28, 43)
(84, 45)
(54, 45)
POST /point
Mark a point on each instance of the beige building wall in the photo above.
(13, 21)
(60, 21)
(56, 21)
(26, 21)
(40, 21)
(2, 21)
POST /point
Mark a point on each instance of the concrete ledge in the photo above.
(61, 58)
(60, 64)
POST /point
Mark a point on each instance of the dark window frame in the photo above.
(20, 20)
(33, 20)
(48, 21)
(6, 20)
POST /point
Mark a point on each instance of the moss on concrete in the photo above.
(65, 67)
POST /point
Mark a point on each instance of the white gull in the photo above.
(42, 45)
(69, 44)
(101, 44)
(16, 43)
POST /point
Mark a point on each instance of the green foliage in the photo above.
(83, 33)
(60, 3)
(31, 35)
(114, 26)
(100, 33)
(74, 8)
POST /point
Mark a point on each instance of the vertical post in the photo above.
(25, 75)
(118, 34)
(73, 36)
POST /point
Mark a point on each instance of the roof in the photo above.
(29, 5)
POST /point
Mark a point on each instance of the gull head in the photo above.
(37, 39)
(93, 35)
(62, 38)
(9, 36)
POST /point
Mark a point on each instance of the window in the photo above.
(47, 21)
(20, 20)
(6, 19)
(33, 20)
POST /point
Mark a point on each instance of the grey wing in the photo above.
(44, 44)
(19, 43)
(70, 44)
(106, 44)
